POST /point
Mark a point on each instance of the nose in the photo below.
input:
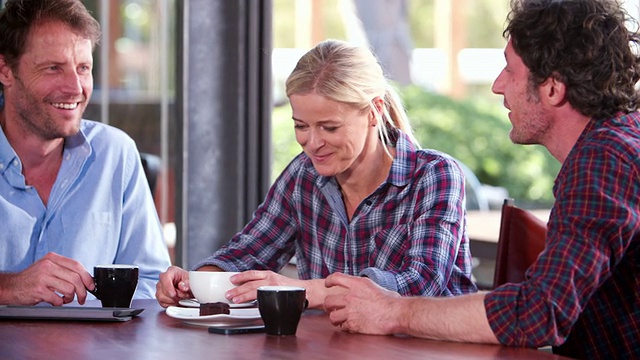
(497, 87)
(315, 140)
(72, 82)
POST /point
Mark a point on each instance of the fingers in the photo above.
(75, 271)
(250, 275)
(337, 317)
(333, 302)
(71, 278)
(53, 278)
(172, 286)
(248, 282)
(338, 279)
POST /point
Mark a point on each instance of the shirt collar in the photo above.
(8, 154)
(402, 168)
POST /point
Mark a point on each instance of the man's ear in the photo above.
(554, 91)
(6, 75)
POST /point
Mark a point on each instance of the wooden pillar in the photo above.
(451, 37)
(309, 24)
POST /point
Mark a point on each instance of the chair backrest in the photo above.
(522, 237)
(152, 166)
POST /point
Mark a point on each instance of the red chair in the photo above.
(522, 238)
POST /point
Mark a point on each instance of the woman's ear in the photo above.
(377, 106)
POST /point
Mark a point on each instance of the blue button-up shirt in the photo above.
(100, 209)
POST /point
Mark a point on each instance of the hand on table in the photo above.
(54, 279)
(364, 307)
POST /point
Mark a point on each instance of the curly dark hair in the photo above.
(583, 43)
(19, 16)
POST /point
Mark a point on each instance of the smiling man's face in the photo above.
(50, 88)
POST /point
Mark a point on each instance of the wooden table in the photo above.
(154, 335)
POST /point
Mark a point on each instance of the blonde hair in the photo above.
(350, 75)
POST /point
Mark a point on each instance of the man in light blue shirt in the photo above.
(73, 193)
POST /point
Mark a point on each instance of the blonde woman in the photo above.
(360, 199)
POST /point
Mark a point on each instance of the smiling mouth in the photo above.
(321, 158)
(66, 106)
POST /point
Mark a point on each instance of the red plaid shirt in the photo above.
(583, 293)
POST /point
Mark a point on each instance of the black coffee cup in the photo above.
(115, 284)
(281, 307)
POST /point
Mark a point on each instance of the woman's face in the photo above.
(334, 136)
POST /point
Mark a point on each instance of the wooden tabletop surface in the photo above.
(155, 335)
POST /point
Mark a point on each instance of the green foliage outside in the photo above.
(475, 131)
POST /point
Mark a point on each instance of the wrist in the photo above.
(315, 292)
(6, 292)
(399, 316)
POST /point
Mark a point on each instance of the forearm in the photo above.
(209, 268)
(6, 292)
(461, 318)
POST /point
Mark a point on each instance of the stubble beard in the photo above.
(533, 127)
(35, 119)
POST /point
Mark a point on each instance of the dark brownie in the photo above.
(214, 308)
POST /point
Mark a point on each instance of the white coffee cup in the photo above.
(210, 286)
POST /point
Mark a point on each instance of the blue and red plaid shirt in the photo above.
(408, 235)
(582, 295)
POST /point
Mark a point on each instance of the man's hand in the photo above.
(53, 279)
(364, 307)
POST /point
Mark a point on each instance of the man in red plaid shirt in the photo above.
(569, 83)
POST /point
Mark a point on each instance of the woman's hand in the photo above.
(173, 286)
(249, 281)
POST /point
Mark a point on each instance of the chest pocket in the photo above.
(387, 248)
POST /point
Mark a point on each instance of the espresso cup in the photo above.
(115, 284)
(281, 307)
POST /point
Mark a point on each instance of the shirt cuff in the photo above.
(383, 278)
(214, 262)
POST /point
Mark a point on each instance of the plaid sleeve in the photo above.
(590, 228)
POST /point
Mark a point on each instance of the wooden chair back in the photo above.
(522, 238)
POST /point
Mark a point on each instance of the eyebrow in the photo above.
(321, 122)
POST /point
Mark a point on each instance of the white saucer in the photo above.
(249, 316)
(195, 304)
